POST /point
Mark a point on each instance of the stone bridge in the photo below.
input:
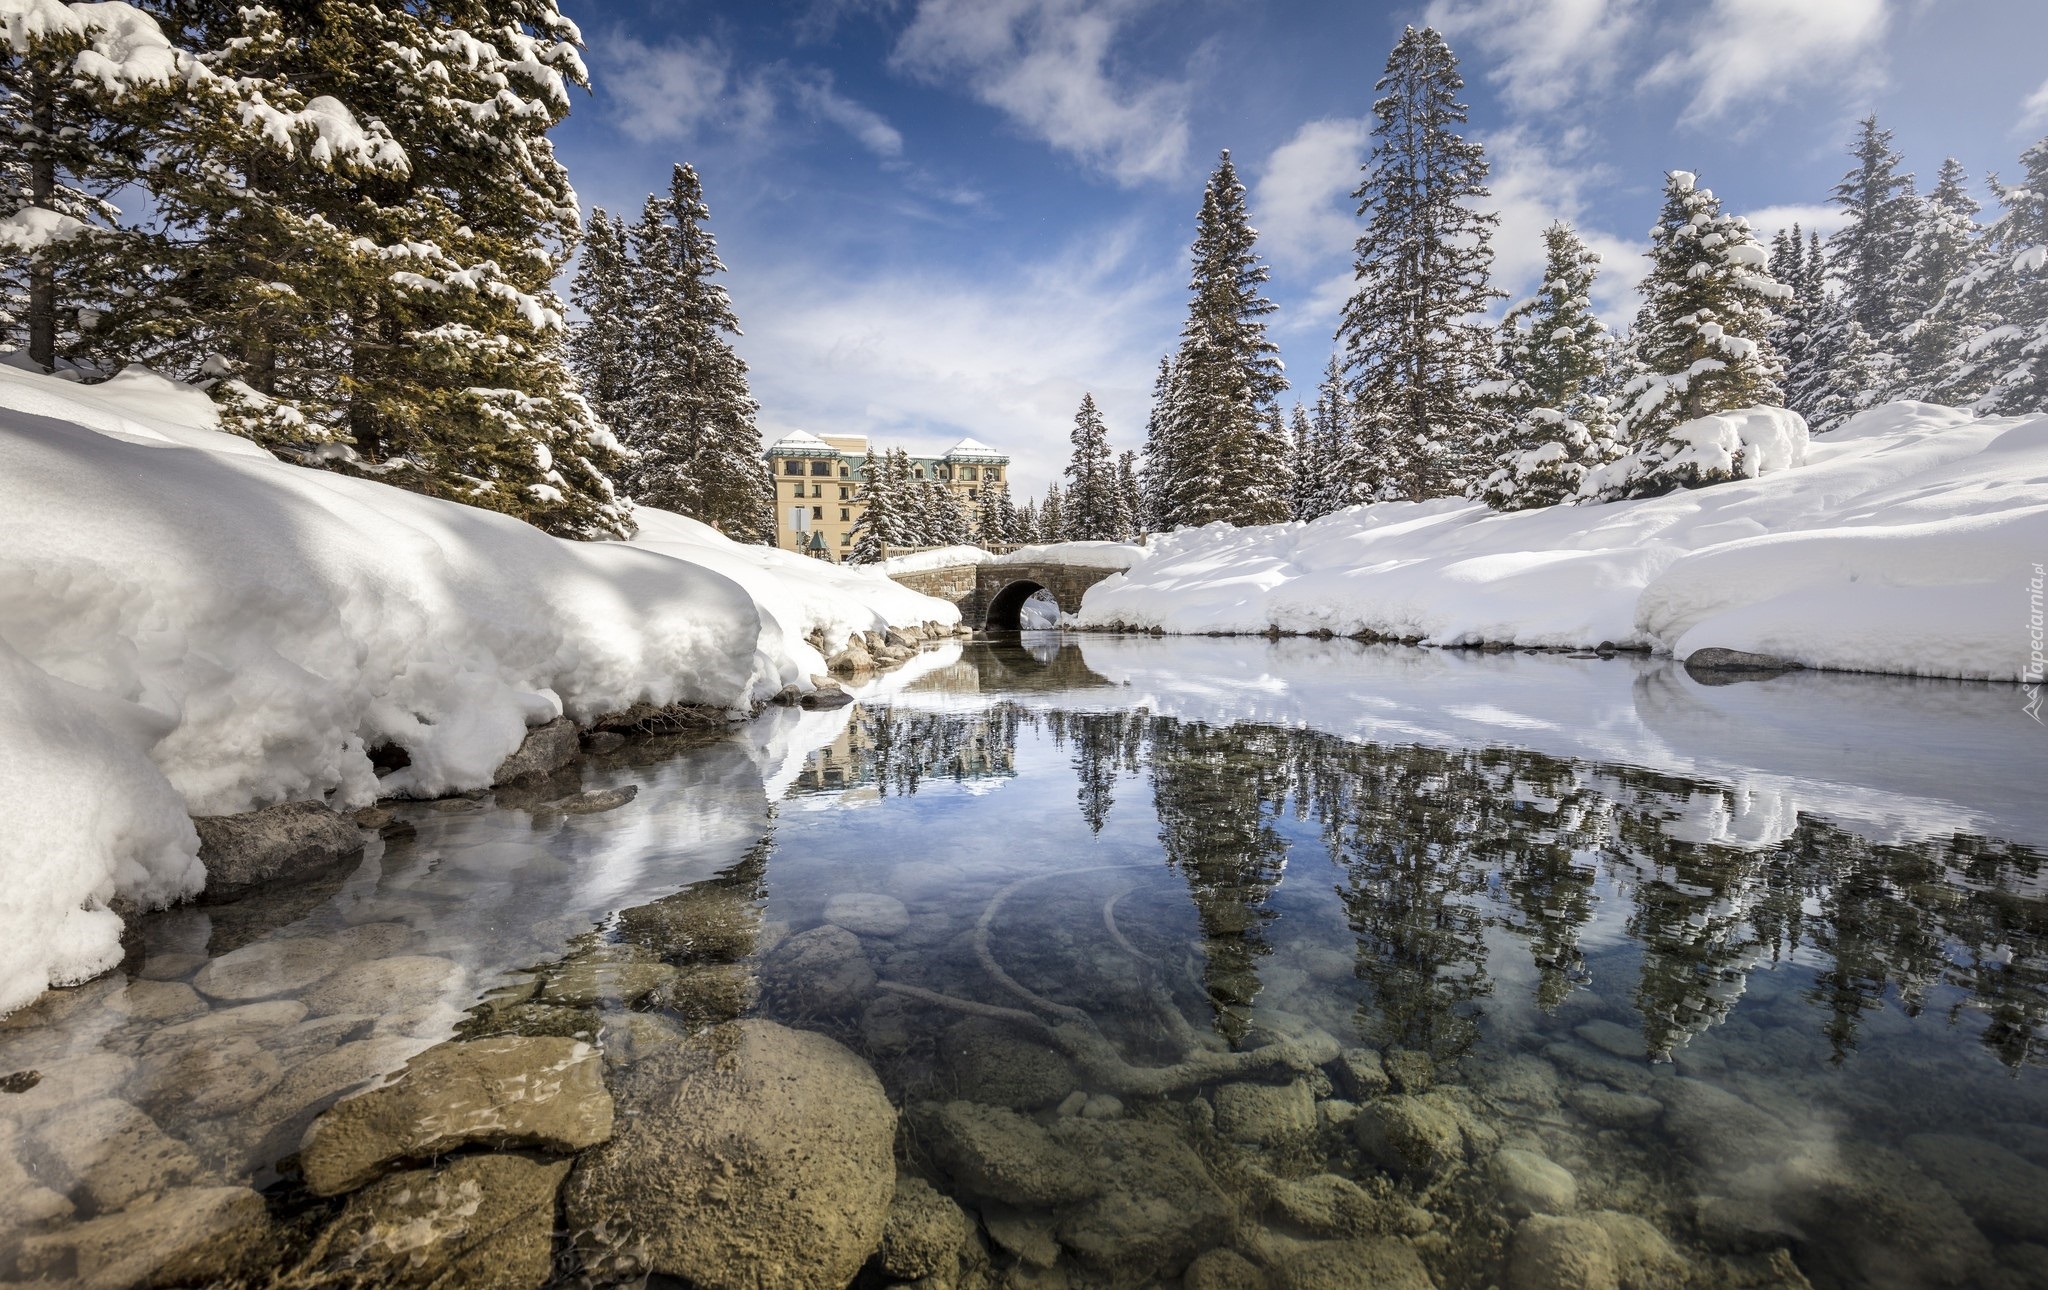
(991, 596)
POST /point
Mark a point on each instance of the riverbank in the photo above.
(1907, 542)
(192, 627)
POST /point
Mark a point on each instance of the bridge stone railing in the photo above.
(991, 595)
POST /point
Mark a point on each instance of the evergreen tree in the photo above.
(1701, 339)
(1092, 504)
(85, 91)
(698, 451)
(1831, 367)
(1868, 252)
(1943, 241)
(1555, 356)
(605, 346)
(1130, 497)
(1026, 531)
(439, 351)
(880, 524)
(1307, 472)
(1414, 348)
(1052, 515)
(1217, 456)
(996, 522)
(1164, 457)
(1342, 463)
(2003, 371)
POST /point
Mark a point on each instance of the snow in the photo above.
(1904, 543)
(938, 557)
(1090, 555)
(34, 228)
(190, 626)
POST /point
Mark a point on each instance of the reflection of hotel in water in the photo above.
(885, 751)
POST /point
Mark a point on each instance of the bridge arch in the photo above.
(1006, 605)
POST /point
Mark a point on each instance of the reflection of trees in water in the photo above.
(1436, 846)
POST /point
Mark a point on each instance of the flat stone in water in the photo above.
(993, 1062)
(483, 1221)
(201, 1081)
(1614, 1038)
(268, 968)
(201, 1236)
(113, 1153)
(1533, 1184)
(2003, 1192)
(1265, 1114)
(1380, 1264)
(510, 1092)
(868, 913)
(387, 985)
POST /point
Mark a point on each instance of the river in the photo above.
(1603, 972)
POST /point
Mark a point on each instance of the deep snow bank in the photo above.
(189, 625)
(1905, 543)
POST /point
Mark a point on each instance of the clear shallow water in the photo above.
(1763, 967)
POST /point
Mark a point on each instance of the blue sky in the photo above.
(953, 217)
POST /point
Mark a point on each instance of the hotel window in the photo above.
(821, 468)
(967, 474)
(846, 539)
(919, 472)
(817, 512)
(791, 466)
(992, 474)
(845, 493)
(844, 515)
(817, 490)
(844, 472)
(970, 494)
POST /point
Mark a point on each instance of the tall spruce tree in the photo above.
(605, 346)
(1052, 515)
(1340, 484)
(1305, 482)
(1555, 355)
(692, 424)
(1944, 240)
(1163, 454)
(1831, 368)
(1091, 504)
(1414, 347)
(1130, 496)
(880, 525)
(995, 523)
(1215, 456)
(1869, 251)
(1701, 338)
(2003, 370)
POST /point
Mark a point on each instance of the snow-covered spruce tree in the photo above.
(1831, 368)
(1130, 498)
(1027, 527)
(1415, 348)
(84, 92)
(1555, 356)
(605, 345)
(1305, 480)
(698, 450)
(1158, 479)
(880, 524)
(1701, 340)
(1224, 463)
(2003, 370)
(1868, 252)
(1052, 515)
(1944, 239)
(1091, 503)
(995, 522)
(1338, 486)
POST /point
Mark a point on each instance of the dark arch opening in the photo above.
(1006, 608)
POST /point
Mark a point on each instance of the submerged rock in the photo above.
(924, 1235)
(706, 994)
(712, 922)
(1361, 1074)
(995, 1153)
(868, 913)
(197, 1237)
(1266, 1115)
(1156, 1206)
(1223, 1270)
(483, 1222)
(755, 1156)
(1603, 1251)
(1382, 1264)
(995, 1063)
(584, 982)
(1533, 1184)
(1419, 1136)
(594, 802)
(112, 1154)
(821, 972)
(268, 968)
(276, 844)
(546, 1093)
(2003, 1192)
(383, 986)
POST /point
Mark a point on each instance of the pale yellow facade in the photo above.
(818, 478)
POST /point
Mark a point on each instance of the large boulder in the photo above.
(483, 1222)
(545, 750)
(1157, 1205)
(1379, 1264)
(997, 1063)
(1602, 1251)
(755, 1156)
(277, 843)
(925, 1235)
(997, 1154)
(507, 1092)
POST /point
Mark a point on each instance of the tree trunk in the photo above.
(42, 185)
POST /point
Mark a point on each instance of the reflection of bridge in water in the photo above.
(991, 596)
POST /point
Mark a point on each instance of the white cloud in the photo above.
(2034, 111)
(924, 357)
(1544, 53)
(1739, 53)
(867, 126)
(1812, 217)
(675, 90)
(1538, 181)
(1047, 64)
(1302, 203)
